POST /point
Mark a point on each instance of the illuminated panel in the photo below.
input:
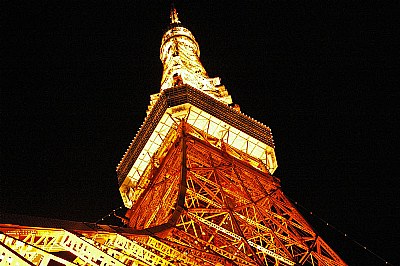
(152, 145)
(230, 135)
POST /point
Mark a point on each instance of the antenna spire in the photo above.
(174, 15)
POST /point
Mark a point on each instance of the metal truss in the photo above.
(22, 245)
(40, 246)
(204, 198)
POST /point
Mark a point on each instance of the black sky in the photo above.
(324, 76)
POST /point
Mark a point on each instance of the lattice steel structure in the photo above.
(197, 180)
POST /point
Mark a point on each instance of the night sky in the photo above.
(76, 80)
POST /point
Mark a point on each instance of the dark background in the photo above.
(77, 78)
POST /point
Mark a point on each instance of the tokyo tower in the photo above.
(198, 183)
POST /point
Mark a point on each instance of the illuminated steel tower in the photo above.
(197, 180)
(198, 174)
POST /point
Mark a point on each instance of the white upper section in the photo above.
(180, 55)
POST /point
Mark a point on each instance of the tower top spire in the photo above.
(180, 55)
(174, 15)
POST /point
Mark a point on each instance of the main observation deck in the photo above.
(203, 112)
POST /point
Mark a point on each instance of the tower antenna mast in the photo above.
(174, 14)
